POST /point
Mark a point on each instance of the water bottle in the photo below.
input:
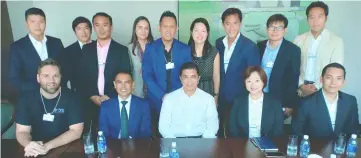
(102, 143)
(174, 153)
(352, 146)
(305, 146)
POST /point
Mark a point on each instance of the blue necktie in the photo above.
(124, 122)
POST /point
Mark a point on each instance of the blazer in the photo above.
(139, 124)
(244, 54)
(24, 61)
(312, 117)
(69, 61)
(330, 50)
(154, 71)
(117, 60)
(136, 71)
(272, 117)
(283, 81)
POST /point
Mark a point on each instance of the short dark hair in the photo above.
(79, 20)
(334, 65)
(48, 62)
(260, 72)
(189, 65)
(124, 72)
(167, 14)
(277, 18)
(318, 4)
(231, 11)
(104, 15)
(34, 11)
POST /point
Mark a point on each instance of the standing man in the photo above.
(50, 116)
(162, 61)
(102, 60)
(71, 56)
(126, 115)
(319, 47)
(281, 61)
(27, 52)
(236, 54)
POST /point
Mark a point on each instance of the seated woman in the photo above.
(255, 114)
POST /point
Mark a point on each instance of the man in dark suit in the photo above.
(236, 54)
(126, 115)
(71, 56)
(162, 61)
(328, 111)
(102, 60)
(27, 52)
(281, 60)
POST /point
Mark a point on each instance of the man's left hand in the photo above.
(288, 111)
(104, 98)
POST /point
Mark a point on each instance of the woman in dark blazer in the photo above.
(256, 114)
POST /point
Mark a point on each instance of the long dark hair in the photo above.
(207, 45)
(134, 39)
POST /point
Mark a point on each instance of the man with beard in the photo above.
(49, 117)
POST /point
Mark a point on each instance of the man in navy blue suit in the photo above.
(281, 60)
(125, 116)
(327, 111)
(71, 56)
(27, 52)
(236, 54)
(162, 61)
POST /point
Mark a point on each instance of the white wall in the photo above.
(343, 20)
(60, 14)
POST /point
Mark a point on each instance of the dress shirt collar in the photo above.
(81, 44)
(225, 41)
(326, 101)
(259, 101)
(186, 95)
(323, 33)
(35, 41)
(270, 48)
(106, 45)
(128, 99)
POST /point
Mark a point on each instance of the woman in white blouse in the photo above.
(256, 114)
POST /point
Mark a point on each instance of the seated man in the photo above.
(49, 117)
(188, 112)
(328, 111)
(126, 116)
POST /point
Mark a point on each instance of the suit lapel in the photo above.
(161, 57)
(30, 50)
(340, 114)
(49, 48)
(236, 52)
(221, 55)
(116, 113)
(323, 110)
(108, 60)
(132, 116)
(265, 115)
(244, 121)
(279, 61)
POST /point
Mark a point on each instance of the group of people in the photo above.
(166, 88)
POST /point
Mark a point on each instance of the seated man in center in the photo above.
(188, 112)
(126, 116)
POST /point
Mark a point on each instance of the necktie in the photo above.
(124, 121)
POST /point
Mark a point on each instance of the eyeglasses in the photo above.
(276, 28)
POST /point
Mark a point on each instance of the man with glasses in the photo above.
(281, 62)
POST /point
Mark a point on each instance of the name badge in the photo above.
(169, 65)
(269, 64)
(48, 117)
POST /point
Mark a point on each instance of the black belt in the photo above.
(191, 137)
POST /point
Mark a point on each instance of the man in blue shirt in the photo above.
(281, 62)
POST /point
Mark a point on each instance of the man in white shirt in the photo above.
(27, 52)
(319, 47)
(328, 111)
(188, 112)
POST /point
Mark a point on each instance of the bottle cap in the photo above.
(100, 133)
(174, 144)
(305, 137)
(353, 136)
